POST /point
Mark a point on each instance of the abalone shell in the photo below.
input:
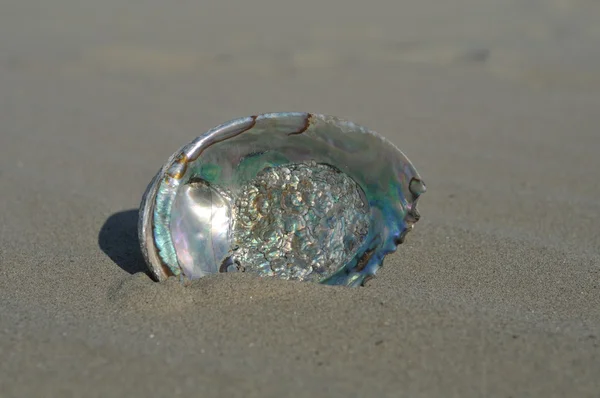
(289, 195)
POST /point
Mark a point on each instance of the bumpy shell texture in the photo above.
(290, 195)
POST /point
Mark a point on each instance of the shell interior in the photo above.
(292, 195)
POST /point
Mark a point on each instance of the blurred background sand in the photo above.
(494, 294)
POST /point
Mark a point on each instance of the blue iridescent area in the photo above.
(192, 211)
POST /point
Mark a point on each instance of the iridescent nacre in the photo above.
(289, 195)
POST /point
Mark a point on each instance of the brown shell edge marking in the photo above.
(304, 127)
(183, 160)
(364, 260)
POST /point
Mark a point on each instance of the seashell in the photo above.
(290, 195)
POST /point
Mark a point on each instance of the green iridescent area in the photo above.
(208, 171)
(254, 163)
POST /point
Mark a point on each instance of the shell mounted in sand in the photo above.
(289, 195)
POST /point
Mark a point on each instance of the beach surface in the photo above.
(495, 293)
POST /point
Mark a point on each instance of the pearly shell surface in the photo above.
(290, 195)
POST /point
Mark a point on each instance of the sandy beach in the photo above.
(496, 292)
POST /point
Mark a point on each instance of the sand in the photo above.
(496, 292)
